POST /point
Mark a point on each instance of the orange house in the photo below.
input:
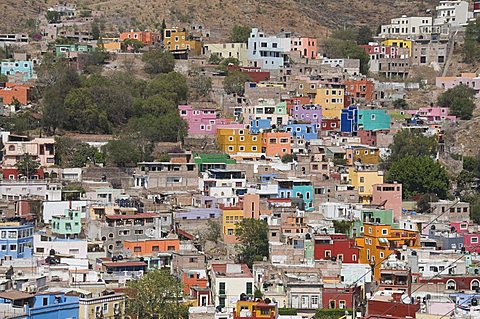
(13, 91)
(276, 143)
(149, 247)
(358, 90)
(194, 278)
(299, 100)
(146, 37)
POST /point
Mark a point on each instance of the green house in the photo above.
(69, 224)
(65, 50)
(373, 120)
(379, 216)
(212, 161)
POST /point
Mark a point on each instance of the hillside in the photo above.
(308, 17)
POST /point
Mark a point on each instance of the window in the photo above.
(105, 307)
(342, 304)
(249, 288)
(332, 304)
(314, 300)
(13, 247)
(474, 240)
(362, 179)
(155, 248)
(254, 148)
(45, 301)
(475, 285)
(451, 285)
(137, 249)
(382, 254)
(384, 231)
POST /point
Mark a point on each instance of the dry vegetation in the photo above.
(308, 17)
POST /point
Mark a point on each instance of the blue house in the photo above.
(304, 131)
(352, 119)
(259, 124)
(16, 240)
(297, 188)
(21, 305)
(19, 69)
(348, 120)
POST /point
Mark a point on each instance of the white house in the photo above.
(229, 281)
(452, 12)
(405, 26)
(43, 244)
(268, 52)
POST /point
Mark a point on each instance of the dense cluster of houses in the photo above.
(301, 150)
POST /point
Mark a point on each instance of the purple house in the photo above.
(311, 114)
(200, 121)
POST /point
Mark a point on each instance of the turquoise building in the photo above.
(19, 69)
(69, 225)
(297, 188)
(373, 120)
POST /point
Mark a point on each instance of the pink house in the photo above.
(307, 46)
(390, 196)
(433, 114)
(471, 242)
(461, 227)
(201, 121)
(469, 79)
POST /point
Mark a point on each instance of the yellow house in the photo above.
(112, 45)
(228, 50)
(363, 180)
(104, 306)
(178, 42)
(237, 139)
(331, 100)
(379, 241)
(231, 216)
(399, 43)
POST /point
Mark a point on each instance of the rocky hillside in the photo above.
(308, 17)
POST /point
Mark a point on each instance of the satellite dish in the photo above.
(150, 232)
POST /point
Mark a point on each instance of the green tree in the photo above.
(411, 143)
(27, 165)
(288, 158)
(240, 34)
(201, 85)
(365, 35)
(474, 201)
(52, 16)
(136, 45)
(162, 28)
(338, 48)
(253, 237)
(214, 59)
(122, 153)
(3, 78)
(345, 34)
(419, 175)
(234, 83)
(158, 61)
(471, 47)
(230, 61)
(171, 86)
(460, 100)
(423, 203)
(342, 226)
(95, 30)
(157, 295)
(400, 104)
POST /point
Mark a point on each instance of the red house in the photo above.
(13, 174)
(336, 246)
(358, 90)
(300, 100)
(339, 297)
(471, 242)
(255, 74)
(391, 304)
(330, 124)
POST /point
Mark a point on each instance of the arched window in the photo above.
(11, 148)
(451, 285)
(474, 285)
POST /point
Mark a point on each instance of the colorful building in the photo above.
(150, 247)
(255, 309)
(306, 132)
(21, 70)
(297, 188)
(260, 125)
(234, 138)
(433, 114)
(231, 217)
(212, 161)
(12, 92)
(146, 37)
(267, 109)
(399, 43)
(72, 50)
(306, 46)
(200, 121)
(363, 154)
(363, 179)
(390, 197)
(276, 144)
(308, 114)
(180, 44)
(16, 240)
(335, 247)
(194, 278)
(353, 119)
(359, 90)
(105, 305)
(68, 225)
(331, 98)
(380, 241)
(228, 50)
